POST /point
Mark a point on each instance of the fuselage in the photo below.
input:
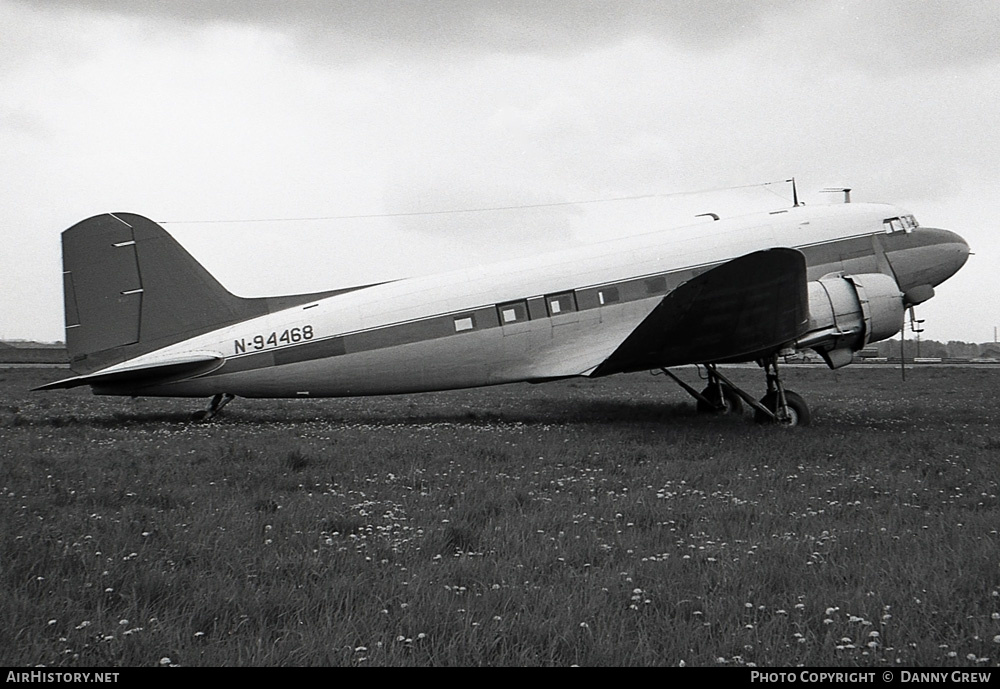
(548, 316)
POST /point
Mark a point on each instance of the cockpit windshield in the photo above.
(904, 223)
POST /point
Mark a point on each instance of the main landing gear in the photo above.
(722, 396)
(214, 407)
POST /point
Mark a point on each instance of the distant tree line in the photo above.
(953, 349)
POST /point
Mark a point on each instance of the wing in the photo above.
(737, 311)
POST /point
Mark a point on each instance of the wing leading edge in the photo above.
(737, 311)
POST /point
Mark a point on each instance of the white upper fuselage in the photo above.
(555, 314)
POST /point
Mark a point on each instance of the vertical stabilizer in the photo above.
(130, 288)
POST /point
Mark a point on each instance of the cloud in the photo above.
(188, 110)
(873, 36)
(469, 26)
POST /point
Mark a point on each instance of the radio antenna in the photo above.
(795, 193)
(846, 191)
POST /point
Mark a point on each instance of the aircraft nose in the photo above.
(923, 259)
(952, 249)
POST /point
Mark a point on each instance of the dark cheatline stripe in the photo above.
(484, 317)
(320, 349)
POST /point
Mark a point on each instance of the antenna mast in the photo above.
(846, 191)
(795, 193)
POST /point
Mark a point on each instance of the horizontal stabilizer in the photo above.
(137, 376)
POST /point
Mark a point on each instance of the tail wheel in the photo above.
(796, 414)
(730, 402)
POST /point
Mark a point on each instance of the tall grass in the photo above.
(583, 522)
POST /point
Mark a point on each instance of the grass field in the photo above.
(582, 522)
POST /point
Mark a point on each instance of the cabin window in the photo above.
(561, 303)
(463, 323)
(512, 312)
(608, 295)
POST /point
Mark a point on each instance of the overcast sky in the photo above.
(193, 110)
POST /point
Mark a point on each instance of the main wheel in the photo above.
(798, 410)
(730, 403)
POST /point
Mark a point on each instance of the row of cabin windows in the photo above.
(555, 304)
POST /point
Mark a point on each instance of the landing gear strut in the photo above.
(779, 406)
(214, 407)
(718, 397)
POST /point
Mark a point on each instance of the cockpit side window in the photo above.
(892, 225)
(905, 223)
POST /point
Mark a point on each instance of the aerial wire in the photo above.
(488, 209)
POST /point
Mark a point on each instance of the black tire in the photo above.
(730, 404)
(797, 408)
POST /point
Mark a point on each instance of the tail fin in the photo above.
(130, 288)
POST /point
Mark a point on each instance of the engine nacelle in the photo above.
(846, 312)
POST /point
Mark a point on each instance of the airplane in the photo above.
(145, 318)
